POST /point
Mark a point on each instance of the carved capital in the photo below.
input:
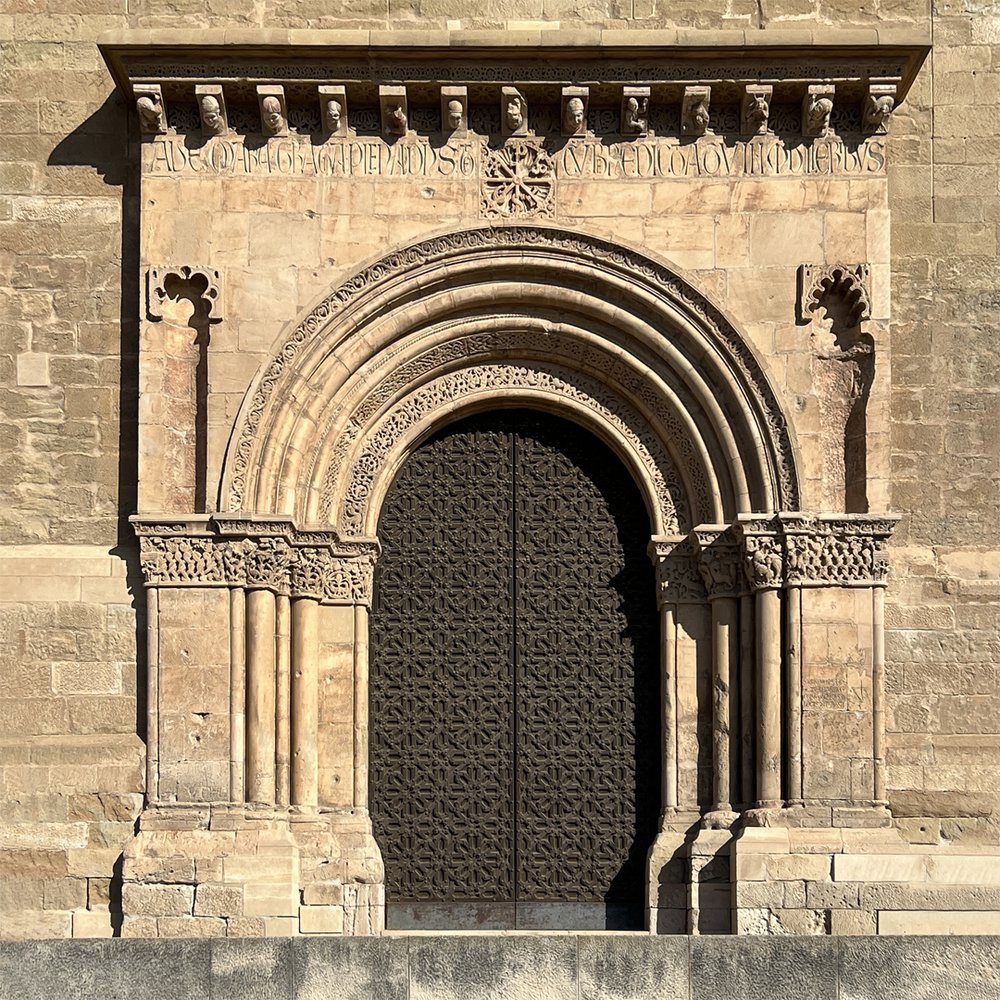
(309, 566)
(763, 552)
(201, 285)
(349, 579)
(719, 561)
(695, 110)
(181, 561)
(847, 282)
(678, 580)
(268, 565)
(151, 108)
(829, 551)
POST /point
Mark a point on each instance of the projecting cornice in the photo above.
(542, 62)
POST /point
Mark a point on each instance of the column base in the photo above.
(245, 870)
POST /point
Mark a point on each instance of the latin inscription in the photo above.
(643, 160)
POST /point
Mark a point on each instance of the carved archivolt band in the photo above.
(384, 448)
(267, 556)
(277, 426)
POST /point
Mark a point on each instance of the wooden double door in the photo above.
(514, 715)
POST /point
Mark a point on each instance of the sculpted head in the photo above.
(211, 115)
(271, 110)
(334, 113)
(514, 113)
(574, 114)
(700, 115)
(149, 113)
(456, 114)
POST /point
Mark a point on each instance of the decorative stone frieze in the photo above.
(202, 285)
(212, 109)
(879, 103)
(848, 282)
(181, 561)
(719, 561)
(273, 111)
(756, 109)
(333, 113)
(678, 579)
(695, 115)
(151, 108)
(837, 551)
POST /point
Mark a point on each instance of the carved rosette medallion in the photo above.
(519, 181)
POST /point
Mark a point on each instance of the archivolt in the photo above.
(693, 413)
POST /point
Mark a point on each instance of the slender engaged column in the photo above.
(878, 694)
(305, 639)
(360, 706)
(768, 698)
(724, 653)
(793, 692)
(668, 654)
(152, 694)
(260, 708)
(237, 692)
(747, 734)
(282, 669)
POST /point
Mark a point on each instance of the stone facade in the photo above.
(233, 308)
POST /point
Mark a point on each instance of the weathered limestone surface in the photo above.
(71, 762)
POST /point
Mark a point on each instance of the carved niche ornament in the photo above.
(635, 111)
(395, 121)
(756, 110)
(212, 109)
(201, 285)
(574, 111)
(151, 108)
(694, 110)
(455, 111)
(879, 104)
(333, 111)
(817, 106)
(513, 112)
(273, 114)
(848, 282)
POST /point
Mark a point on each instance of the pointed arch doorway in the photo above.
(515, 734)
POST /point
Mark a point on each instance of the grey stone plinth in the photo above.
(633, 967)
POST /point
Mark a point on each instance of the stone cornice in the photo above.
(666, 60)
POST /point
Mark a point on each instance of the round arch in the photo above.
(567, 322)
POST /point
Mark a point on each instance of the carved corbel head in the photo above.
(455, 111)
(694, 111)
(879, 104)
(574, 111)
(273, 111)
(513, 112)
(212, 109)
(151, 108)
(756, 109)
(635, 111)
(817, 106)
(395, 121)
(333, 112)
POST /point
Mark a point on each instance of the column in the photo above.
(260, 707)
(305, 639)
(152, 695)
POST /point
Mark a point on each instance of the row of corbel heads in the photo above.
(817, 108)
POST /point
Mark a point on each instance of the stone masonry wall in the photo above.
(70, 759)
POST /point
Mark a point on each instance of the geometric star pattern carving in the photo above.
(515, 751)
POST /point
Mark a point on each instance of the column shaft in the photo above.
(768, 698)
(793, 692)
(724, 652)
(747, 772)
(152, 694)
(360, 706)
(260, 743)
(668, 657)
(878, 695)
(237, 692)
(282, 747)
(305, 695)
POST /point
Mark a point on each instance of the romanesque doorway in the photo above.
(515, 736)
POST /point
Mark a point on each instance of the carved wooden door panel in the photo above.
(514, 746)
